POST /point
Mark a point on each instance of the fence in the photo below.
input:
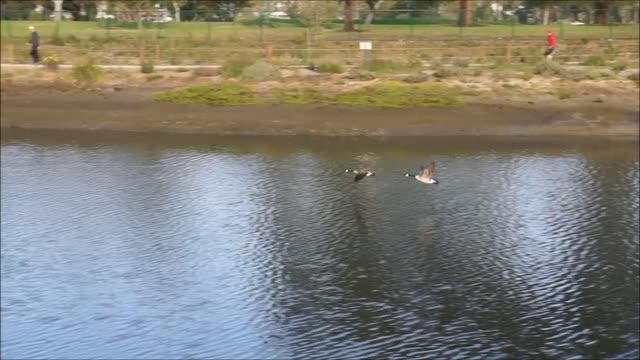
(297, 41)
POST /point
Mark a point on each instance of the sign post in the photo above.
(365, 46)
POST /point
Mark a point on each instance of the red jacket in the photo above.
(551, 40)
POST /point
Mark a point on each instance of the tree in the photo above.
(177, 4)
(601, 13)
(373, 6)
(348, 15)
(465, 13)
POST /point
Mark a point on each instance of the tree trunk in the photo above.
(348, 15)
(545, 13)
(465, 13)
(373, 6)
(601, 16)
(176, 7)
(57, 9)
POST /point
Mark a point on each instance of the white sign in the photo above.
(365, 45)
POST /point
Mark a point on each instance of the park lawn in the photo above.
(280, 31)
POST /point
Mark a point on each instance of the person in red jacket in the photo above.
(551, 45)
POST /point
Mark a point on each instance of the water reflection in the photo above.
(265, 249)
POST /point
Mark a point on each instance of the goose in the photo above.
(360, 174)
(426, 174)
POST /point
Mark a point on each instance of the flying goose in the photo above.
(360, 174)
(426, 174)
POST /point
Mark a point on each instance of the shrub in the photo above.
(563, 94)
(416, 78)
(549, 68)
(232, 68)
(446, 72)
(260, 71)
(147, 67)
(619, 66)
(52, 62)
(380, 66)
(86, 72)
(526, 76)
(634, 77)
(330, 67)
(215, 95)
(594, 60)
(361, 75)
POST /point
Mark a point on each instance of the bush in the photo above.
(52, 62)
(447, 72)
(526, 76)
(549, 68)
(330, 67)
(416, 78)
(147, 67)
(361, 75)
(233, 67)
(260, 71)
(594, 60)
(563, 94)
(86, 72)
(634, 77)
(380, 66)
(619, 66)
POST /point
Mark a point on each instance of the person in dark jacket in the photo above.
(35, 44)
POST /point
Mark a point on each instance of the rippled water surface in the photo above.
(170, 247)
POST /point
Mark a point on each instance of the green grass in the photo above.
(388, 94)
(215, 30)
(223, 94)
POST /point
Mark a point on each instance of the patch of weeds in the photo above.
(393, 94)
(232, 68)
(526, 76)
(461, 63)
(547, 68)
(361, 75)
(222, 94)
(382, 66)
(416, 78)
(154, 77)
(303, 96)
(85, 71)
(447, 72)
(510, 86)
(594, 60)
(181, 69)
(147, 67)
(260, 71)
(563, 94)
(414, 62)
(619, 66)
(330, 67)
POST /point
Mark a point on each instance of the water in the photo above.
(168, 247)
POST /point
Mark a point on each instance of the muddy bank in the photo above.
(132, 109)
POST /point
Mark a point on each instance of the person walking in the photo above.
(551, 45)
(35, 44)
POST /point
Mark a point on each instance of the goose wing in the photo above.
(427, 173)
(359, 175)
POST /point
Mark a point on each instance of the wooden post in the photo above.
(509, 51)
(141, 52)
(157, 60)
(270, 53)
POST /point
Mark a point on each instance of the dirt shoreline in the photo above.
(133, 110)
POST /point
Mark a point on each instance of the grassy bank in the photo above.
(386, 94)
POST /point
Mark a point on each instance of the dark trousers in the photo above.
(35, 55)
